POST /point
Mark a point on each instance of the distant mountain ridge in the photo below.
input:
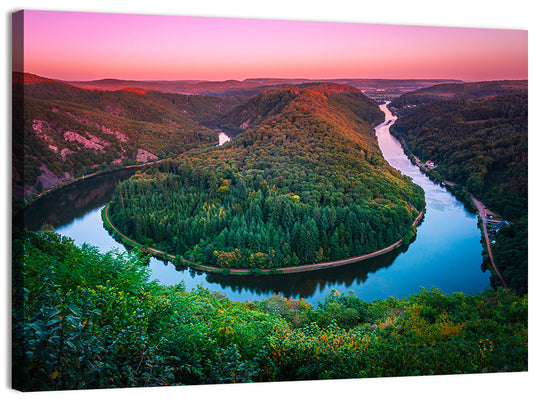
(253, 86)
(453, 91)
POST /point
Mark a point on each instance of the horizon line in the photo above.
(264, 78)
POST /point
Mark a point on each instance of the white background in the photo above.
(508, 14)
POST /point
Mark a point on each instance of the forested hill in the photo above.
(61, 131)
(454, 91)
(272, 102)
(481, 144)
(305, 182)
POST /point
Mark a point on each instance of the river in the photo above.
(446, 253)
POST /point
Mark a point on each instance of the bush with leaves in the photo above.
(82, 319)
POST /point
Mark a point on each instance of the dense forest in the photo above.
(455, 91)
(83, 319)
(304, 182)
(61, 131)
(65, 130)
(481, 145)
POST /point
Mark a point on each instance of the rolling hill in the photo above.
(454, 91)
(305, 181)
(61, 131)
(254, 86)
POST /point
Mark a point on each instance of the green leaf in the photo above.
(53, 321)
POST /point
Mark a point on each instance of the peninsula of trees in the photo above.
(303, 182)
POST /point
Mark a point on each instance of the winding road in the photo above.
(483, 214)
(483, 211)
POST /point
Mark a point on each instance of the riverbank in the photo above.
(467, 198)
(280, 270)
(483, 215)
(446, 254)
(222, 138)
(28, 201)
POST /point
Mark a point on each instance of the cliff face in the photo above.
(61, 131)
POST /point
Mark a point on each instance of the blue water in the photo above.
(446, 253)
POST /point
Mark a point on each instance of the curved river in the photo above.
(446, 253)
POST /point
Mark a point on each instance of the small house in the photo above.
(496, 228)
(430, 165)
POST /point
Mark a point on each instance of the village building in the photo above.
(430, 165)
(496, 228)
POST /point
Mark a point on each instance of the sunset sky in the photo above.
(87, 46)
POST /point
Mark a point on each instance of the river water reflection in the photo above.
(446, 253)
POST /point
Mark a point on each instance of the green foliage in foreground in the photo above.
(83, 319)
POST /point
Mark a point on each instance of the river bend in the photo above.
(446, 253)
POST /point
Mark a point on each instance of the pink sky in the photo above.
(86, 46)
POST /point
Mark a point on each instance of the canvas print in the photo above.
(219, 200)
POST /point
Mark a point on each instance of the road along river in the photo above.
(446, 253)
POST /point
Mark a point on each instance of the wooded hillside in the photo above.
(61, 131)
(454, 91)
(305, 182)
(482, 145)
